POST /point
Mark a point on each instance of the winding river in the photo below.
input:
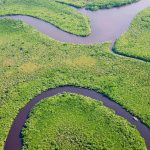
(106, 25)
(13, 141)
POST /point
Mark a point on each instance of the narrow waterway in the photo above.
(106, 24)
(13, 141)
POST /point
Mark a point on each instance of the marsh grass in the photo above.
(96, 4)
(60, 15)
(123, 79)
(136, 41)
(70, 121)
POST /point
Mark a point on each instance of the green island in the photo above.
(69, 121)
(96, 4)
(136, 41)
(32, 62)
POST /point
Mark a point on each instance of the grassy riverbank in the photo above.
(69, 121)
(97, 4)
(57, 14)
(136, 41)
(32, 62)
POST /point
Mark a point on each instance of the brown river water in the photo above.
(106, 25)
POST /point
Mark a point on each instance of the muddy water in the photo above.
(13, 141)
(106, 24)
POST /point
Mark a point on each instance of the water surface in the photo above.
(13, 141)
(106, 24)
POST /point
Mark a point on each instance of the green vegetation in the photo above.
(136, 41)
(70, 121)
(57, 14)
(32, 62)
(96, 4)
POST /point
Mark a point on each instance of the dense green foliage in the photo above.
(136, 41)
(70, 122)
(97, 4)
(57, 14)
(32, 62)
